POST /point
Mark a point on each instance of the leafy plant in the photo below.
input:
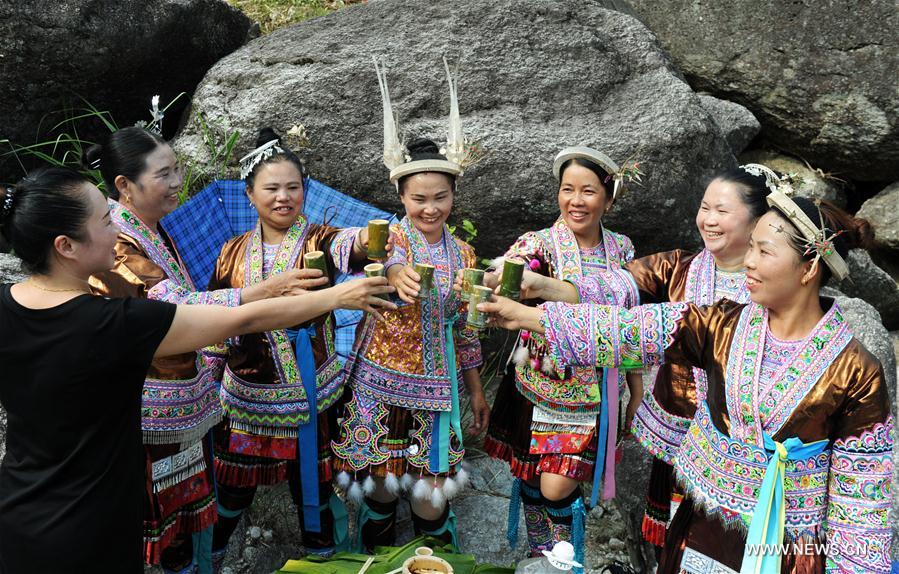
(468, 232)
(220, 142)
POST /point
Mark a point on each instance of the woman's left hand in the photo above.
(480, 413)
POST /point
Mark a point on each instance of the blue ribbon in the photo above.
(307, 435)
(769, 515)
(202, 549)
(578, 531)
(514, 513)
(440, 435)
(601, 438)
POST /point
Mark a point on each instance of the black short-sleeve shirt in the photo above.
(72, 481)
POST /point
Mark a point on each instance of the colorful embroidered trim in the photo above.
(751, 413)
(659, 431)
(724, 475)
(858, 528)
(180, 411)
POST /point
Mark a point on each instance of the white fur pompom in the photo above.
(392, 484)
(450, 488)
(421, 490)
(438, 500)
(547, 366)
(462, 478)
(355, 493)
(406, 482)
(521, 355)
(343, 480)
(497, 264)
(368, 485)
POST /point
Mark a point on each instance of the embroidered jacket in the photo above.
(402, 360)
(664, 416)
(831, 388)
(554, 251)
(148, 265)
(262, 391)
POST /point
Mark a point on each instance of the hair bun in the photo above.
(420, 146)
(862, 233)
(266, 135)
(90, 159)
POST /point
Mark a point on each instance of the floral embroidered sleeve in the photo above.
(531, 247)
(468, 345)
(607, 288)
(609, 336)
(859, 483)
(399, 255)
(341, 248)
(170, 292)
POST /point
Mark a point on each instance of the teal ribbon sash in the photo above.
(440, 435)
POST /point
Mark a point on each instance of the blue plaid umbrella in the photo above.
(222, 210)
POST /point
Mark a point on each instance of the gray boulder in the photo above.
(882, 211)
(819, 76)
(535, 76)
(736, 123)
(115, 53)
(869, 282)
(813, 184)
(10, 272)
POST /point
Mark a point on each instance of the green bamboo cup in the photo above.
(377, 270)
(316, 260)
(378, 232)
(513, 272)
(426, 272)
(470, 278)
(479, 294)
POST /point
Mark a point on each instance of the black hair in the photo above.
(752, 189)
(605, 179)
(45, 204)
(123, 153)
(423, 148)
(266, 135)
(852, 232)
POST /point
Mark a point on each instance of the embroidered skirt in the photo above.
(377, 439)
(180, 495)
(509, 439)
(699, 544)
(245, 459)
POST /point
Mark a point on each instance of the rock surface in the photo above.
(545, 75)
(813, 185)
(736, 123)
(882, 211)
(819, 76)
(115, 53)
(10, 272)
(869, 282)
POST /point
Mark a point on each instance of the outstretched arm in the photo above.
(196, 326)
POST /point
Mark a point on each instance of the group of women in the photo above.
(767, 420)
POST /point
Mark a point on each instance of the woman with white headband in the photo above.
(791, 443)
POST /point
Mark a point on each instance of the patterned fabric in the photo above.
(377, 368)
(401, 365)
(724, 475)
(277, 410)
(753, 412)
(610, 336)
(659, 431)
(859, 501)
(695, 562)
(222, 210)
(174, 411)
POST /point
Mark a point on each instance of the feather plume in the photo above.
(521, 355)
(462, 478)
(438, 500)
(421, 490)
(455, 140)
(368, 485)
(355, 493)
(392, 484)
(343, 480)
(406, 482)
(394, 151)
(450, 488)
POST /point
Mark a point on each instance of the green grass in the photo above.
(274, 14)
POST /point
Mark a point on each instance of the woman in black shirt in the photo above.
(71, 371)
